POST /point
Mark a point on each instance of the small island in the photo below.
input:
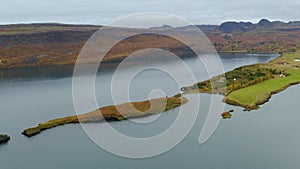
(4, 138)
(227, 114)
(253, 85)
(114, 113)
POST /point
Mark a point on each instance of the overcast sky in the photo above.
(104, 11)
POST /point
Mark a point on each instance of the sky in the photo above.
(102, 12)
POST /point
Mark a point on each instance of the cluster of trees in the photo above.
(246, 76)
(3, 61)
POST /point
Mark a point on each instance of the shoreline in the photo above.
(114, 61)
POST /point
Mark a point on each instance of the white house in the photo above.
(282, 75)
(297, 60)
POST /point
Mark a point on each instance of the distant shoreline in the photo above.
(112, 62)
(30, 45)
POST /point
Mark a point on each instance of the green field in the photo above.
(252, 85)
(258, 93)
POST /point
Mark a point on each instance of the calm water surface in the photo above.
(264, 139)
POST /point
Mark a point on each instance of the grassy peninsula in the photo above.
(113, 113)
(253, 85)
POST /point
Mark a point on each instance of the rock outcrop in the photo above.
(235, 27)
(4, 138)
(265, 23)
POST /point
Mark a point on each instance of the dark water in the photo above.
(264, 139)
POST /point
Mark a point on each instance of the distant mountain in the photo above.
(231, 27)
(238, 27)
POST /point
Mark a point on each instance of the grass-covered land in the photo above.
(114, 113)
(236, 79)
(250, 86)
(252, 96)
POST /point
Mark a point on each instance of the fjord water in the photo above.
(267, 138)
